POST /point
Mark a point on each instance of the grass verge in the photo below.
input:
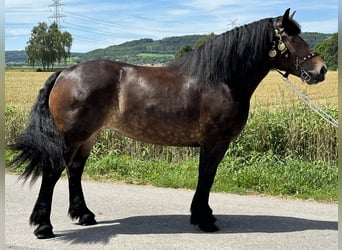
(254, 174)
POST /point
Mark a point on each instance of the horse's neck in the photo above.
(245, 86)
(252, 64)
(256, 80)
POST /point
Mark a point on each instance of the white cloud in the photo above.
(179, 12)
(18, 32)
(20, 5)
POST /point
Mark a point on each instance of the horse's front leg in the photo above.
(42, 209)
(78, 208)
(201, 213)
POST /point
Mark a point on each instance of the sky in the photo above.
(99, 24)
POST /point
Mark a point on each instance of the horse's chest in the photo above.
(225, 122)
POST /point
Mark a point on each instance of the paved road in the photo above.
(143, 217)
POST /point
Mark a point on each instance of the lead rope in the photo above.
(311, 104)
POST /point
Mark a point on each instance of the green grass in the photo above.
(269, 174)
(155, 55)
(254, 174)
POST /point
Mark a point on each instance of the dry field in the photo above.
(273, 91)
(22, 89)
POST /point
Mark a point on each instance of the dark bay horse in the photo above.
(200, 100)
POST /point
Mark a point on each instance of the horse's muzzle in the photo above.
(314, 76)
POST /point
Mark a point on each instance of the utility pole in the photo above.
(232, 23)
(57, 8)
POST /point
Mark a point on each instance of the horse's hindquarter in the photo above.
(82, 98)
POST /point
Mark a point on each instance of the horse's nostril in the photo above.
(324, 70)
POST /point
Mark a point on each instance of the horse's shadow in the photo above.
(179, 224)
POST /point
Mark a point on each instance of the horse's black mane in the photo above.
(229, 57)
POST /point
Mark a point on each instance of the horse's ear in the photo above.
(288, 24)
(286, 18)
(292, 15)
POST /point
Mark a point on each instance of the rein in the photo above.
(315, 108)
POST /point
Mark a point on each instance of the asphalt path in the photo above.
(144, 217)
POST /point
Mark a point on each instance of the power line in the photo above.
(113, 24)
(126, 27)
(86, 29)
(25, 11)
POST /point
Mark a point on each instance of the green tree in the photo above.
(204, 39)
(183, 50)
(187, 48)
(48, 45)
(328, 50)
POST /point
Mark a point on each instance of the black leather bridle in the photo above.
(279, 47)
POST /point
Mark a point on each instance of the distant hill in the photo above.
(145, 51)
(15, 56)
(313, 38)
(149, 51)
(18, 57)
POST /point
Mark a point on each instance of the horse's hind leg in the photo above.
(78, 208)
(41, 212)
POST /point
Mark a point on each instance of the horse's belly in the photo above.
(169, 133)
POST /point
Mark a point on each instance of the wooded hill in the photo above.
(146, 51)
(143, 51)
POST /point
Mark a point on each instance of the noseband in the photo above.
(304, 75)
(280, 46)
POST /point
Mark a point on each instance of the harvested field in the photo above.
(22, 89)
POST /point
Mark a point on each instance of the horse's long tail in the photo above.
(41, 145)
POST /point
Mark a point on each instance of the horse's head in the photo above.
(292, 54)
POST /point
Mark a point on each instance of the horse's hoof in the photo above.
(195, 220)
(87, 220)
(206, 225)
(208, 228)
(44, 232)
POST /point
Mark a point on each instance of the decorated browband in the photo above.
(281, 45)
